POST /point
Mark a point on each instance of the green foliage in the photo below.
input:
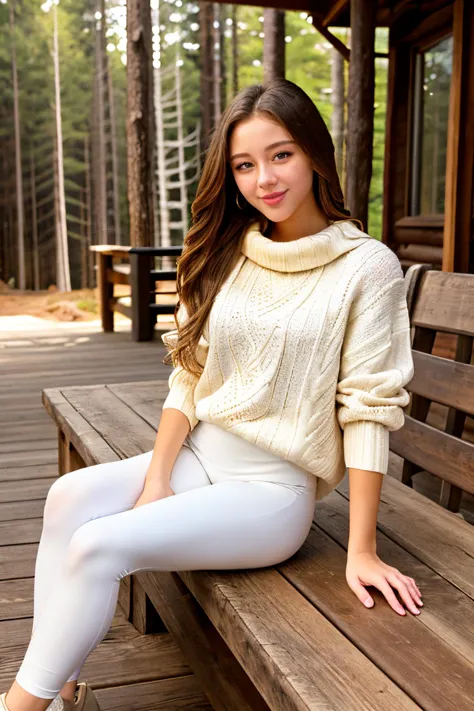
(308, 64)
(88, 305)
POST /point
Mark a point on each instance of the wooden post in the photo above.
(360, 124)
(458, 203)
(106, 291)
(142, 321)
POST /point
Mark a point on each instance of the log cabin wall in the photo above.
(443, 238)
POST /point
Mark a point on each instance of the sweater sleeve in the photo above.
(181, 382)
(376, 364)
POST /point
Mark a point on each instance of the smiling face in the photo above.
(266, 161)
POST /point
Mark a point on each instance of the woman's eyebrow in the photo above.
(272, 145)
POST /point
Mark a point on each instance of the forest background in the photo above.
(91, 35)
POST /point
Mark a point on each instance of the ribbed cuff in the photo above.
(366, 446)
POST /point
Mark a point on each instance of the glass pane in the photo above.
(437, 68)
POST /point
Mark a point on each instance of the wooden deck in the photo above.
(127, 670)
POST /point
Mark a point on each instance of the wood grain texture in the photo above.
(295, 657)
(127, 670)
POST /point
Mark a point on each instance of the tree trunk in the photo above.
(114, 151)
(183, 193)
(222, 68)
(235, 50)
(216, 62)
(273, 44)
(337, 99)
(63, 274)
(165, 235)
(88, 201)
(140, 124)
(206, 57)
(34, 223)
(360, 124)
(101, 193)
(19, 178)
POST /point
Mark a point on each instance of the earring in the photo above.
(237, 201)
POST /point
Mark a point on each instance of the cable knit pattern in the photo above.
(306, 352)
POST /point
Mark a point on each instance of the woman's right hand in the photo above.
(154, 492)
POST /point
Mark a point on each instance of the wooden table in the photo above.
(294, 636)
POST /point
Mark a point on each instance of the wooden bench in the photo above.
(294, 636)
(147, 285)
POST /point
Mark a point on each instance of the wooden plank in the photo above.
(16, 459)
(144, 398)
(446, 381)
(449, 457)
(444, 626)
(114, 250)
(65, 380)
(33, 489)
(445, 303)
(27, 445)
(115, 661)
(116, 276)
(217, 670)
(435, 536)
(295, 657)
(16, 599)
(447, 612)
(85, 342)
(180, 694)
(26, 433)
(16, 510)
(18, 561)
(123, 430)
(88, 442)
(74, 365)
(17, 632)
(22, 406)
(22, 531)
(29, 471)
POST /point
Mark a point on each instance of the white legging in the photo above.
(235, 506)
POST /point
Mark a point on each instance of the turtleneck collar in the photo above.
(303, 253)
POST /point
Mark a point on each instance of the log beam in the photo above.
(360, 126)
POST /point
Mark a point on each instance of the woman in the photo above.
(290, 360)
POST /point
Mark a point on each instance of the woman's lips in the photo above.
(275, 200)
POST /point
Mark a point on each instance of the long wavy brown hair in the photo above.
(212, 245)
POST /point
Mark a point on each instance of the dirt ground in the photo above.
(53, 305)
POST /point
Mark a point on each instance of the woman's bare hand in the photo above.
(364, 569)
(152, 493)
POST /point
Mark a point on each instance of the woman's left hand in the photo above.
(368, 569)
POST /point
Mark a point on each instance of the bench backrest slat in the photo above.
(448, 457)
(434, 438)
(445, 302)
(445, 381)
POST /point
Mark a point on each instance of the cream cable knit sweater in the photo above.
(306, 352)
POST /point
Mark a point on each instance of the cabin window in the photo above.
(433, 69)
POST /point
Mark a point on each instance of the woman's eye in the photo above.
(241, 164)
(283, 153)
